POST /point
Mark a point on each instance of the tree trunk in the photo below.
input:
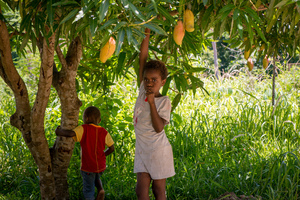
(216, 60)
(31, 122)
(64, 83)
(47, 185)
(273, 82)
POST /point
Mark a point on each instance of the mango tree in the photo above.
(59, 28)
(265, 29)
(61, 31)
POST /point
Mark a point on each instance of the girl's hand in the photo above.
(150, 96)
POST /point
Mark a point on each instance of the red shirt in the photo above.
(92, 140)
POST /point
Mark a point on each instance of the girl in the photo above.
(153, 153)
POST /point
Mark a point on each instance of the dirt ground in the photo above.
(232, 196)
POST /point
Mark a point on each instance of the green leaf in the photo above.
(181, 7)
(125, 4)
(259, 32)
(103, 10)
(50, 12)
(247, 93)
(207, 17)
(129, 34)
(236, 14)
(284, 2)
(119, 25)
(166, 14)
(24, 42)
(81, 27)
(120, 39)
(196, 69)
(105, 37)
(135, 44)
(64, 3)
(93, 25)
(175, 101)
(33, 42)
(252, 14)
(138, 32)
(136, 12)
(70, 16)
(108, 23)
(121, 60)
(224, 15)
(166, 86)
(156, 49)
(228, 7)
(154, 5)
(239, 27)
(25, 22)
(155, 28)
(88, 7)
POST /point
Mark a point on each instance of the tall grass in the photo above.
(231, 140)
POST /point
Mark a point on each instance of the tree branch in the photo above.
(45, 82)
(21, 118)
(61, 57)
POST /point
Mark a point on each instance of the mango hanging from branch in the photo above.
(179, 32)
(265, 62)
(250, 64)
(108, 49)
(188, 20)
(246, 54)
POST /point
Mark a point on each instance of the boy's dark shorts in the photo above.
(89, 180)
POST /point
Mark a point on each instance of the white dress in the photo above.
(153, 152)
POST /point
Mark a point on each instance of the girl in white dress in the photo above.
(153, 153)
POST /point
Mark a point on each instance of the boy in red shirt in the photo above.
(93, 139)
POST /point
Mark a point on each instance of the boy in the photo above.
(93, 139)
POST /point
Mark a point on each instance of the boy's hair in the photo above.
(92, 113)
(157, 65)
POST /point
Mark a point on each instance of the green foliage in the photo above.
(230, 140)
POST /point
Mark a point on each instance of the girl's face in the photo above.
(153, 81)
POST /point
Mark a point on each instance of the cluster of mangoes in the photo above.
(181, 27)
(187, 25)
(250, 63)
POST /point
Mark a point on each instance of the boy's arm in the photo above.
(64, 132)
(109, 150)
(144, 53)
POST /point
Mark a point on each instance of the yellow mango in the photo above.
(108, 49)
(250, 64)
(246, 54)
(188, 20)
(266, 62)
(178, 33)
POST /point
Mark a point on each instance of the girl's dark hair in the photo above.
(93, 113)
(157, 65)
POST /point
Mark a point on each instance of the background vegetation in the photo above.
(231, 140)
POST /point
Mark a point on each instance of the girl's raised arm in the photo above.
(144, 53)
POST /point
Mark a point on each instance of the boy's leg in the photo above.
(99, 186)
(159, 189)
(88, 185)
(142, 185)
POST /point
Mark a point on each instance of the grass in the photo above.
(232, 140)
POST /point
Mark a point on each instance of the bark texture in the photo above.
(47, 184)
(65, 84)
(31, 121)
